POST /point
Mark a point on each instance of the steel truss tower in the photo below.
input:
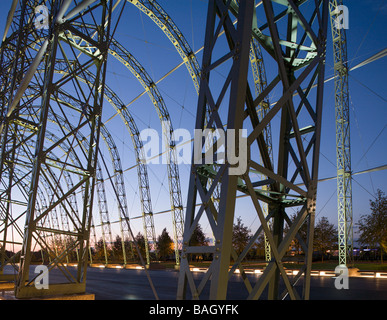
(163, 21)
(343, 145)
(25, 126)
(294, 36)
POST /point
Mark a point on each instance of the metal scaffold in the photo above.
(343, 142)
(295, 38)
(25, 129)
(249, 153)
(61, 64)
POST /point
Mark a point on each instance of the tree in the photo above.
(302, 233)
(140, 240)
(117, 248)
(240, 236)
(373, 227)
(198, 238)
(165, 245)
(99, 251)
(325, 236)
(129, 249)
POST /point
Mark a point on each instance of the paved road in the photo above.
(126, 284)
(118, 284)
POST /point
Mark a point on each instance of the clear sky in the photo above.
(368, 103)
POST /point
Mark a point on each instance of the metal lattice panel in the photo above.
(300, 60)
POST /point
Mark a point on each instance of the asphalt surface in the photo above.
(129, 284)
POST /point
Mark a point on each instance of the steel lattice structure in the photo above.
(300, 57)
(88, 120)
(87, 45)
(343, 143)
(128, 60)
(51, 127)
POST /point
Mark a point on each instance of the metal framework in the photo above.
(32, 52)
(296, 40)
(52, 120)
(343, 145)
(83, 45)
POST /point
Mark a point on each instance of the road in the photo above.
(119, 284)
(129, 284)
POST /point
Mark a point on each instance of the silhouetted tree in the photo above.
(240, 236)
(99, 252)
(373, 227)
(140, 240)
(325, 236)
(198, 238)
(165, 245)
(117, 248)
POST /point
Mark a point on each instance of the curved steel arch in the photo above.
(157, 14)
(127, 59)
(52, 223)
(124, 56)
(144, 188)
(104, 214)
(144, 184)
(154, 11)
(131, 63)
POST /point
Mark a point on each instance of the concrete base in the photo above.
(7, 286)
(7, 277)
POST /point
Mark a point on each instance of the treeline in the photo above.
(164, 250)
(372, 235)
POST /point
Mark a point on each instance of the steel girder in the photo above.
(154, 11)
(295, 37)
(71, 199)
(89, 122)
(80, 44)
(136, 69)
(117, 176)
(343, 144)
(120, 190)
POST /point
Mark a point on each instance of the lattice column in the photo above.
(295, 38)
